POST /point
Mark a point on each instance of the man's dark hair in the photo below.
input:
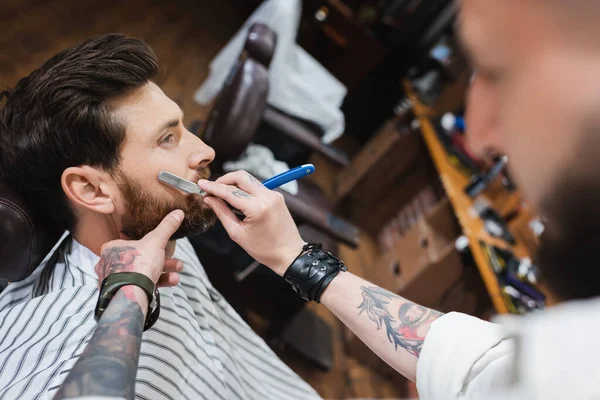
(58, 117)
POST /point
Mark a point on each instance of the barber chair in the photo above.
(25, 238)
(291, 139)
(241, 108)
(232, 125)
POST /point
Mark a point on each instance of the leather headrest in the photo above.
(238, 110)
(24, 239)
(260, 43)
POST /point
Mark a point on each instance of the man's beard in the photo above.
(570, 245)
(144, 210)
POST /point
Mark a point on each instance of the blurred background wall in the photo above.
(185, 34)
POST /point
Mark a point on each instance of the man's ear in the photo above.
(87, 187)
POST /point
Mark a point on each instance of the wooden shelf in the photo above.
(454, 183)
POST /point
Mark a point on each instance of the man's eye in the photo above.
(167, 139)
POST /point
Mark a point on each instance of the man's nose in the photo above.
(481, 119)
(201, 154)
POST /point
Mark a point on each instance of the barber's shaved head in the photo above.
(536, 99)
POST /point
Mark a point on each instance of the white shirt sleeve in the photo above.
(464, 357)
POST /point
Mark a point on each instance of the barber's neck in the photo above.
(92, 230)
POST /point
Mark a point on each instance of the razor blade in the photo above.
(179, 183)
(272, 183)
(187, 186)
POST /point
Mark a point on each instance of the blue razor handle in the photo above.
(288, 176)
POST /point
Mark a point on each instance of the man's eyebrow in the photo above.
(172, 123)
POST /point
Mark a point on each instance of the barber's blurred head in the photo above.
(85, 136)
(536, 98)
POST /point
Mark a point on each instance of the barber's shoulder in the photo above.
(556, 345)
(579, 312)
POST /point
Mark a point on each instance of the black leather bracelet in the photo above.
(312, 271)
(113, 282)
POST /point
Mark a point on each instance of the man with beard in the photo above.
(83, 139)
(535, 98)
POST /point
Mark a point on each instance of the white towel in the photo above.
(260, 162)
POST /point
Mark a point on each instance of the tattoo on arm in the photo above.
(116, 259)
(108, 365)
(406, 331)
(240, 193)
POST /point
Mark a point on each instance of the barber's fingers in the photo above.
(233, 195)
(230, 221)
(170, 249)
(173, 265)
(168, 226)
(168, 279)
(244, 180)
(170, 276)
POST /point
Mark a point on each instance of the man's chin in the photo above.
(196, 222)
(194, 228)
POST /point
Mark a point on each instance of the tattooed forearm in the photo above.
(108, 365)
(116, 259)
(408, 330)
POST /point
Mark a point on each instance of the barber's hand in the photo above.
(150, 256)
(268, 233)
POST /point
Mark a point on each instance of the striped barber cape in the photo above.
(200, 348)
